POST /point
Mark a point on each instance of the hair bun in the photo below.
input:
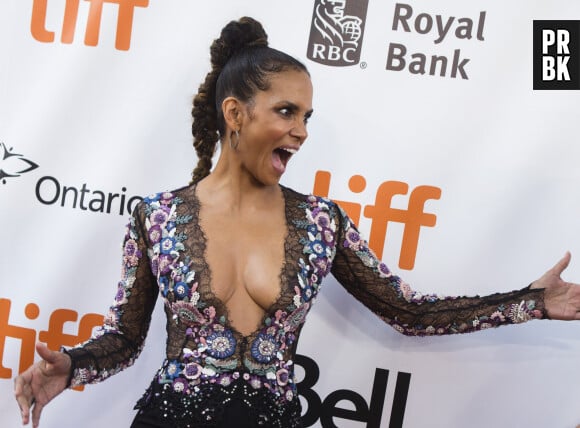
(236, 36)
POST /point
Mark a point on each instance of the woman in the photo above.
(238, 260)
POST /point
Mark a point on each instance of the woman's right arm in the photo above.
(113, 347)
(119, 341)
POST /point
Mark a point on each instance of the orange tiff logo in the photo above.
(53, 336)
(71, 12)
(382, 212)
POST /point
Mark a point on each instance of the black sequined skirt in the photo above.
(215, 406)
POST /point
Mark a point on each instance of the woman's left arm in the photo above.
(415, 313)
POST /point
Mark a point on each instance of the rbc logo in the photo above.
(556, 54)
(335, 36)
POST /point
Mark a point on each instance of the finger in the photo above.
(22, 398)
(46, 354)
(36, 411)
(24, 409)
(562, 264)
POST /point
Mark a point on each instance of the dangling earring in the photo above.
(232, 145)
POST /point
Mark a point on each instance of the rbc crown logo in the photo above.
(556, 54)
(336, 33)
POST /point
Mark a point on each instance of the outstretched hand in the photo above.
(41, 382)
(561, 298)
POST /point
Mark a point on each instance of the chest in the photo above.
(244, 254)
(277, 261)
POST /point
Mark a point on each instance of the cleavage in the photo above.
(245, 257)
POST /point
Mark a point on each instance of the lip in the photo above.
(282, 155)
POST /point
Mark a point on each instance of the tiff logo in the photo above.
(556, 54)
(126, 10)
(336, 32)
(54, 336)
(382, 212)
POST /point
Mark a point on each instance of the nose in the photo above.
(299, 131)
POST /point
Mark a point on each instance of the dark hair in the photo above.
(241, 65)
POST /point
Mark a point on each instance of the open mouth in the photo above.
(281, 156)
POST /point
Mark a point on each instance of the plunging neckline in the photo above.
(220, 306)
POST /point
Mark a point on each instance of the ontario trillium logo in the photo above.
(13, 164)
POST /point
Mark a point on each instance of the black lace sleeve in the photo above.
(117, 343)
(413, 313)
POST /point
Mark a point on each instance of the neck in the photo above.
(230, 186)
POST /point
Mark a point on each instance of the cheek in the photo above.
(265, 132)
(277, 133)
(267, 139)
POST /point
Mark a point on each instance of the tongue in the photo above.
(277, 162)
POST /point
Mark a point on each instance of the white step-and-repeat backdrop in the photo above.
(427, 128)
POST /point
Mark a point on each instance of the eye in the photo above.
(285, 111)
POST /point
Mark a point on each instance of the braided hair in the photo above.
(241, 65)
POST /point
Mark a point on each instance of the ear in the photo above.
(232, 110)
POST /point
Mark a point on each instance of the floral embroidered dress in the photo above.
(209, 364)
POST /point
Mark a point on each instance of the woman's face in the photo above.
(274, 126)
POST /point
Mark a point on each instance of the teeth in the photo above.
(291, 151)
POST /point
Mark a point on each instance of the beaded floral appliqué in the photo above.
(319, 249)
(213, 360)
(179, 287)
